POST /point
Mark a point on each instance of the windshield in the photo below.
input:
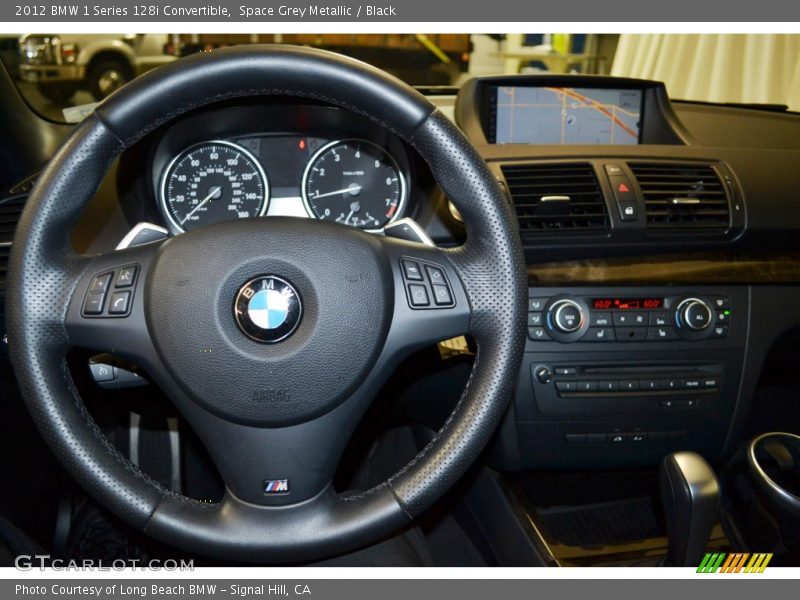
(61, 76)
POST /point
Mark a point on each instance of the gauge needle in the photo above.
(353, 189)
(214, 191)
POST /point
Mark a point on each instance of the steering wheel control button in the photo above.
(425, 281)
(100, 283)
(411, 270)
(567, 316)
(268, 309)
(418, 295)
(435, 274)
(93, 305)
(441, 294)
(120, 303)
(126, 277)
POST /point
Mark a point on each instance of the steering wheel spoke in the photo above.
(106, 311)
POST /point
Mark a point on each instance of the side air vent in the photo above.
(556, 198)
(683, 196)
(4, 253)
(10, 211)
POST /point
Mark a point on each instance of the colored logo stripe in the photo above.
(734, 563)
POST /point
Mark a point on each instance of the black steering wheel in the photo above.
(274, 395)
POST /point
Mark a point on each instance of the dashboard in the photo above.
(660, 238)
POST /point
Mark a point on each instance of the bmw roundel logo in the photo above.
(268, 309)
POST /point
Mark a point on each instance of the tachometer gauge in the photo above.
(354, 182)
(213, 182)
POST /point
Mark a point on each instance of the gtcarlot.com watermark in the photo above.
(27, 562)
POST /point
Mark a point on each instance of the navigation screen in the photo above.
(559, 115)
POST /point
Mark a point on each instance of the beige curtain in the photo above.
(716, 67)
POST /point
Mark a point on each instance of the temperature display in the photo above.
(627, 303)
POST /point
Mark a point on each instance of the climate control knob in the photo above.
(695, 314)
(567, 316)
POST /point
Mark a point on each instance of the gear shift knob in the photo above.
(690, 496)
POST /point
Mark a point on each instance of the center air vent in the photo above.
(683, 196)
(556, 198)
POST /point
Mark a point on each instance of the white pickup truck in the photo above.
(61, 64)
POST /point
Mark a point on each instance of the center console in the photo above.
(607, 370)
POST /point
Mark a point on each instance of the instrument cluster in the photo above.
(345, 175)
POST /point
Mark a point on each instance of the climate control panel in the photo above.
(602, 318)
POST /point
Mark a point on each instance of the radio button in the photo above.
(650, 385)
(607, 386)
(671, 384)
(587, 386)
(566, 386)
(600, 319)
(629, 385)
(565, 370)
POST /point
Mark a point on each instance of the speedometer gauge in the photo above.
(354, 182)
(213, 182)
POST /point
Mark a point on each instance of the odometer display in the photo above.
(213, 182)
(354, 182)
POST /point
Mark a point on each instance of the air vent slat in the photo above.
(10, 211)
(683, 196)
(4, 252)
(556, 198)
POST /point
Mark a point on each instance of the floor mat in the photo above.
(601, 524)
